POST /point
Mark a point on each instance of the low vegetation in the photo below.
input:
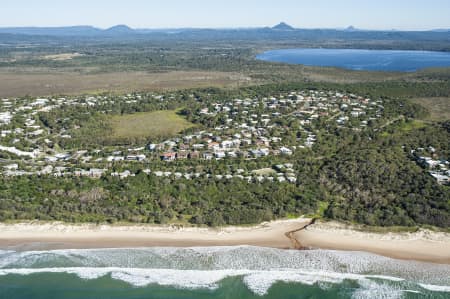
(438, 107)
(148, 125)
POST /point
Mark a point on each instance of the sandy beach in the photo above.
(59, 235)
(423, 245)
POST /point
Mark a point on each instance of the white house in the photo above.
(285, 151)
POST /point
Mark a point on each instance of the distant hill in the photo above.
(119, 30)
(53, 31)
(70, 31)
(281, 31)
(283, 26)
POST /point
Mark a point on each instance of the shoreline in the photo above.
(57, 235)
(423, 245)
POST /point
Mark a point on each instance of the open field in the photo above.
(45, 82)
(62, 57)
(17, 84)
(439, 108)
(148, 125)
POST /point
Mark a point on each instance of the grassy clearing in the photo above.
(439, 108)
(411, 125)
(403, 127)
(154, 124)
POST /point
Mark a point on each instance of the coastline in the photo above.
(57, 235)
(423, 245)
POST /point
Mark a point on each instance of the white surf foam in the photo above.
(377, 290)
(435, 288)
(259, 282)
(205, 267)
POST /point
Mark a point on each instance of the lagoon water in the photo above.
(355, 59)
(215, 272)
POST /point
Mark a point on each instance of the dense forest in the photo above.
(362, 181)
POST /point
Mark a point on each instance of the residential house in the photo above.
(169, 156)
(207, 156)
(285, 151)
(181, 155)
(194, 155)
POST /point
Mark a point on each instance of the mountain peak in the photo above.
(283, 26)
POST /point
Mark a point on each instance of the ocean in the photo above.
(356, 59)
(215, 272)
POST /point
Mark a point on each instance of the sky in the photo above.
(363, 14)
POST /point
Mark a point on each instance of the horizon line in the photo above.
(350, 27)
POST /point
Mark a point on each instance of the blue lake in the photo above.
(369, 60)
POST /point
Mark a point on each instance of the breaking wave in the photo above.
(259, 268)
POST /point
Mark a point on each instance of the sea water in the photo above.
(215, 272)
(356, 59)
